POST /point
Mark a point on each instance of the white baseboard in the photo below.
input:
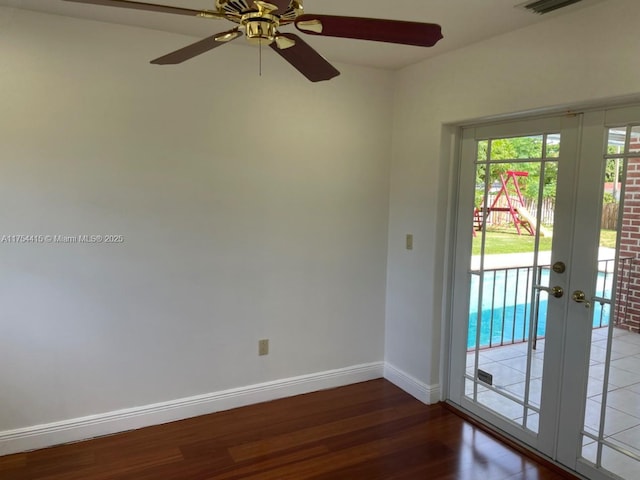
(40, 436)
(428, 394)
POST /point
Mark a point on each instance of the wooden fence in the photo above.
(610, 216)
(609, 212)
(504, 218)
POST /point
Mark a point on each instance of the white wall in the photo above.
(589, 55)
(251, 207)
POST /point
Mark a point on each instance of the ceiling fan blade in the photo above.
(282, 5)
(198, 48)
(379, 30)
(152, 7)
(305, 59)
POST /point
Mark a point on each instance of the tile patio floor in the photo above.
(508, 366)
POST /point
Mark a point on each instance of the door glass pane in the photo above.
(553, 146)
(617, 140)
(512, 233)
(611, 435)
(634, 146)
(483, 150)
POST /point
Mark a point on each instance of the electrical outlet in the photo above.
(263, 347)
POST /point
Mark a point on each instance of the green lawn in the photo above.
(608, 238)
(506, 240)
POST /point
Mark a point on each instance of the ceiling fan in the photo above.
(260, 22)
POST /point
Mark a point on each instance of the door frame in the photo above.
(454, 134)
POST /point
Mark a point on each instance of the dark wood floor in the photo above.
(368, 431)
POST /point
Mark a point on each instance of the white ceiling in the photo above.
(463, 22)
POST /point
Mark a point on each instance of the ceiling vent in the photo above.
(546, 6)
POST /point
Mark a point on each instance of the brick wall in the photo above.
(628, 298)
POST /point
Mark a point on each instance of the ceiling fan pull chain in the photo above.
(260, 62)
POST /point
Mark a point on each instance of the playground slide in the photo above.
(527, 217)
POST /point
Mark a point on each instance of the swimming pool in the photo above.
(506, 306)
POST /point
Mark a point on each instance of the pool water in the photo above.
(506, 307)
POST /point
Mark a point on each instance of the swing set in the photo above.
(513, 203)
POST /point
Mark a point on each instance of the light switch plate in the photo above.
(409, 241)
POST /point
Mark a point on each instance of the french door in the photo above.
(545, 342)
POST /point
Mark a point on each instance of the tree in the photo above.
(519, 148)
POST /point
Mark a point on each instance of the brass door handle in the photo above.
(579, 297)
(556, 291)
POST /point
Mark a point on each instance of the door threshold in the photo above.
(512, 442)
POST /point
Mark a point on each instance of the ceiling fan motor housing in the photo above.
(260, 28)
